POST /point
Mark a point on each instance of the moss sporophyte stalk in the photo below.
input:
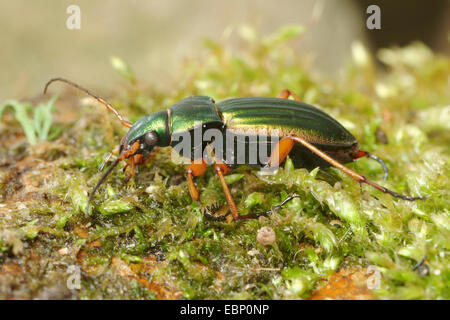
(147, 239)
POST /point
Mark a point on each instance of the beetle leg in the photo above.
(353, 174)
(381, 162)
(221, 169)
(133, 167)
(278, 155)
(266, 213)
(285, 94)
(138, 159)
(195, 170)
(280, 152)
(361, 154)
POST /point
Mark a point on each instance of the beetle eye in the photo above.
(150, 138)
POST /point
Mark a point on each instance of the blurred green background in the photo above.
(155, 36)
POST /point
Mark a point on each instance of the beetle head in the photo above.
(145, 134)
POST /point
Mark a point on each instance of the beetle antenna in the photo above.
(99, 183)
(381, 162)
(124, 122)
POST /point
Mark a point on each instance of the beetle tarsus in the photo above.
(214, 217)
(381, 162)
(420, 263)
(266, 213)
(209, 215)
(392, 193)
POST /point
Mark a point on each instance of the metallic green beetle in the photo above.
(308, 135)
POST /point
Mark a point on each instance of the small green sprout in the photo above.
(115, 206)
(123, 69)
(39, 127)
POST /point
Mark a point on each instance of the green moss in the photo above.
(154, 216)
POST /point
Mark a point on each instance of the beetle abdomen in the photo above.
(283, 117)
(255, 151)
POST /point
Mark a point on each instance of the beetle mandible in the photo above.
(308, 135)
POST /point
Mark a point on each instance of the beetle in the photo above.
(309, 136)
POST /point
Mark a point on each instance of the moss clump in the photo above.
(147, 240)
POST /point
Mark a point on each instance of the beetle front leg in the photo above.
(195, 170)
(132, 165)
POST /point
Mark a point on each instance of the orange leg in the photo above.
(280, 152)
(132, 158)
(138, 159)
(285, 94)
(195, 170)
(353, 174)
(132, 164)
(131, 151)
(278, 155)
(221, 169)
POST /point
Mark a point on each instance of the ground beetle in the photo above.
(308, 135)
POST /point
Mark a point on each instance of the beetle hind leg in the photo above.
(353, 174)
(361, 154)
(285, 94)
(381, 162)
(278, 155)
